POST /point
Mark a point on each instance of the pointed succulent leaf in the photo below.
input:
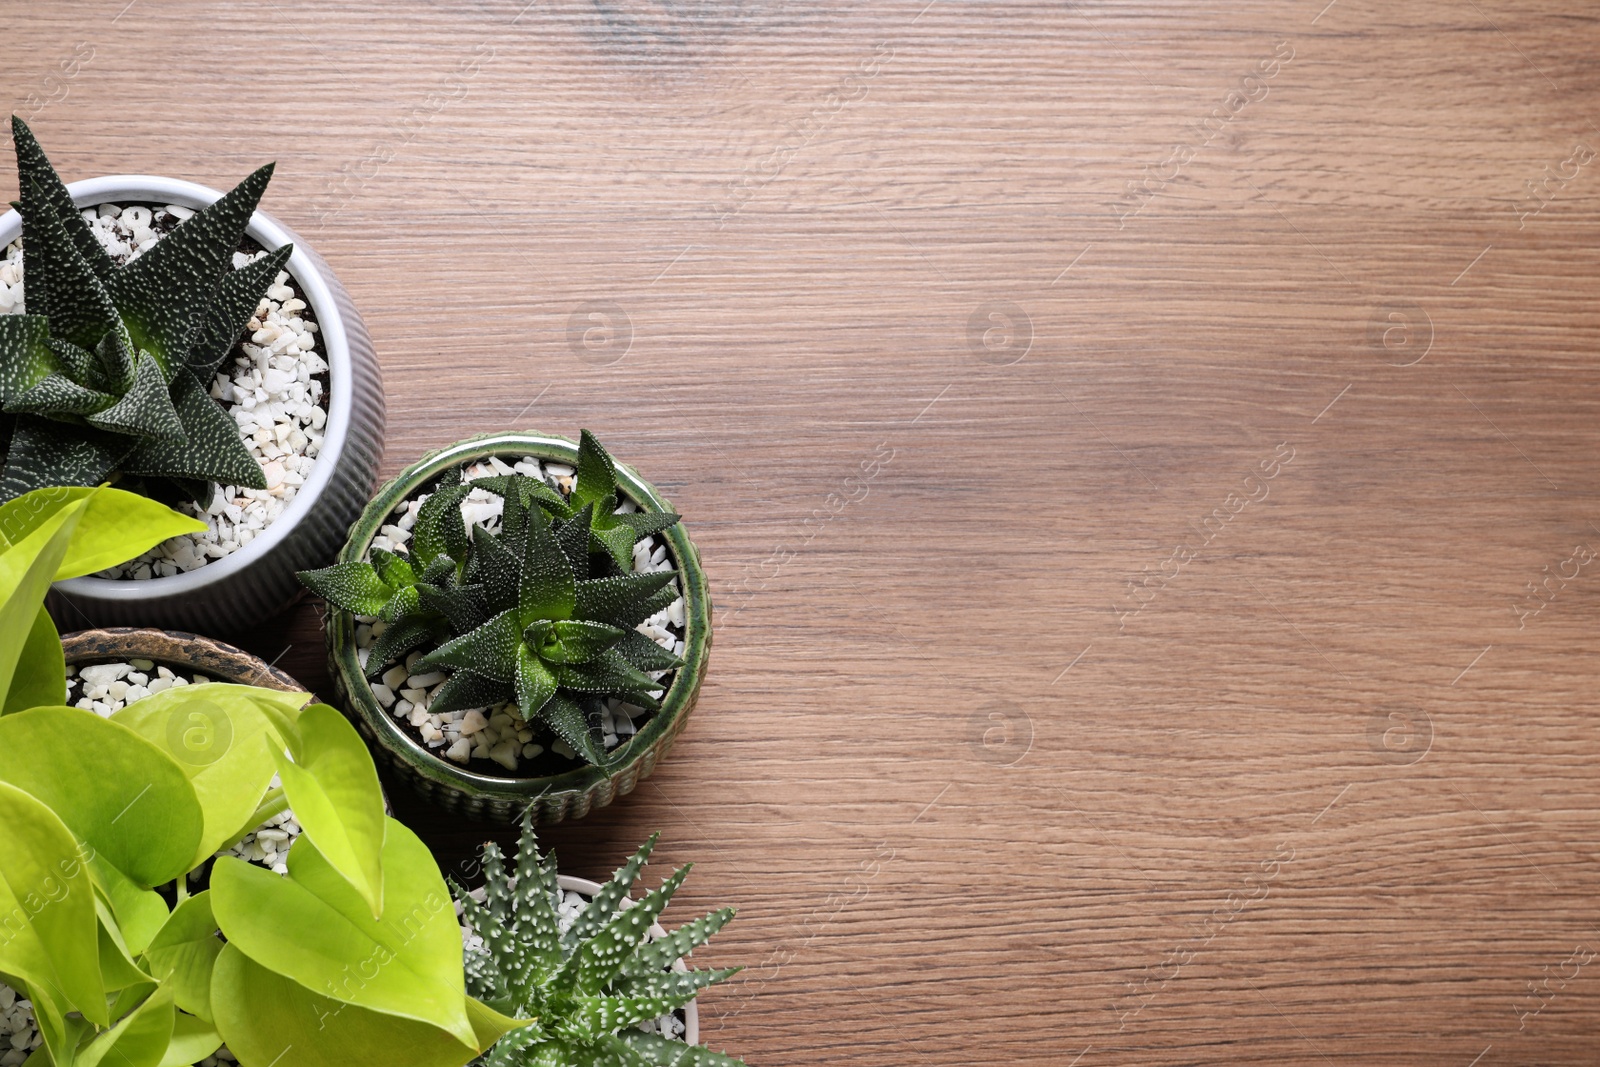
(609, 599)
(26, 358)
(675, 988)
(469, 689)
(645, 523)
(495, 568)
(603, 907)
(397, 639)
(395, 570)
(572, 724)
(165, 294)
(212, 450)
(663, 952)
(589, 1018)
(36, 177)
(616, 542)
(599, 959)
(662, 1052)
(597, 475)
(571, 641)
(80, 364)
(115, 356)
(547, 586)
(236, 301)
(405, 604)
(352, 585)
(458, 604)
(441, 572)
(645, 655)
(490, 650)
(608, 672)
(146, 410)
(536, 921)
(573, 536)
(440, 530)
(44, 453)
(522, 488)
(56, 395)
(496, 889)
(62, 284)
(536, 683)
(649, 607)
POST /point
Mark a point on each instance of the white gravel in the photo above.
(568, 908)
(500, 733)
(104, 688)
(272, 392)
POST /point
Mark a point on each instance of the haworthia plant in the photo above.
(543, 612)
(106, 378)
(589, 987)
(352, 959)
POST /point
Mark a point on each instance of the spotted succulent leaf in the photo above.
(352, 585)
(661, 953)
(116, 358)
(26, 358)
(62, 286)
(211, 451)
(573, 537)
(490, 649)
(599, 959)
(397, 639)
(394, 570)
(45, 452)
(79, 364)
(607, 672)
(570, 640)
(596, 481)
(604, 905)
(673, 988)
(657, 1051)
(469, 689)
(605, 599)
(495, 569)
(576, 727)
(547, 588)
(36, 177)
(56, 394)
(237, 299)
(166, 295)
(145, 410)
(440, 530)
(536, 685)
(643, 654)
(461, 606)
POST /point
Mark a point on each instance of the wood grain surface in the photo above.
(1143, 452)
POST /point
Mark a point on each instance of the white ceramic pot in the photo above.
(258, 580)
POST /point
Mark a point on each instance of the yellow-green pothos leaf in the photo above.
(41, 672)
(332, 786)
(47, 911)
(408, 964)
(184, 953)
(267, 1018)
(116, 791)
(192, 1041)
(140, 1039)
(27, 567)
(223, 738)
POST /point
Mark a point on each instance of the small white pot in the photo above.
(258, 580)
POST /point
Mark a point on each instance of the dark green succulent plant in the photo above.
(543, 612)
(107, 377)
(588, 988)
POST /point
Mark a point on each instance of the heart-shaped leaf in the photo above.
(223, 738)
(116, 791)
(54, 948)
(185, 952)
(192, 1041)
(27, 568)
(332, 785)
(409, 964)
(267, 1018)
(41, 673)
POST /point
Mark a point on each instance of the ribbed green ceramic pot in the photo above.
(495, 798)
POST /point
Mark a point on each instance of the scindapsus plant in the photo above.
(352, 958)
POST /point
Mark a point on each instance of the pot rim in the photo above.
(691, 1012)
(679, 697)
(306, 270)
(134, 642)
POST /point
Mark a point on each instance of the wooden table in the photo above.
(1144, 454)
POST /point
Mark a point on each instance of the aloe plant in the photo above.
(107, 377)
(543, 612)
(352, 959)
(590, 985)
